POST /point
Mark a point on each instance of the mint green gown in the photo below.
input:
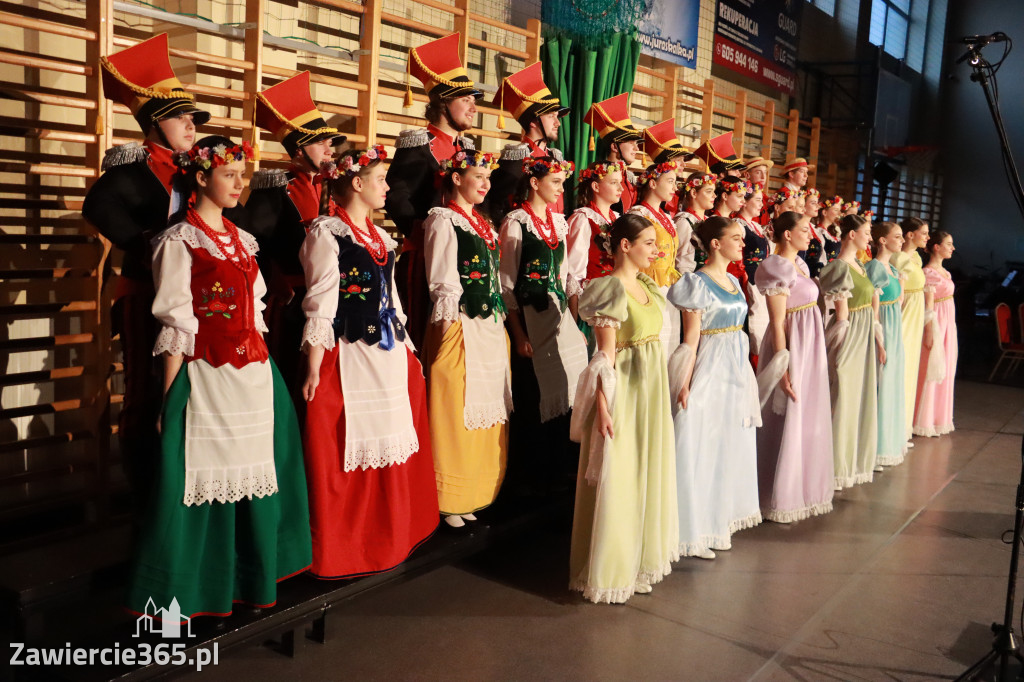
(626, 527)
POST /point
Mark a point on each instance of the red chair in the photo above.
(1014, 352)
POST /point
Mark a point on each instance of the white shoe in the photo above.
(878, 467)
(468, 517)
(723, 548)
(706, 554)
(643, 588)
(454, 520)
(910, 443)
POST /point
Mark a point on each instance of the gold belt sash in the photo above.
(805, 306)
(639, 342)
(944, 298)
(721, 330)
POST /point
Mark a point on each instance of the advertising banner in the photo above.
(668, 31)
(758, 38)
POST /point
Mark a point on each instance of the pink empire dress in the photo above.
(794, 446)
(934, 413)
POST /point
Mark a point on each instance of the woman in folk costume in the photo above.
(794, 448)
(908, 262)
(625, 531)
(756, 248)
(618, 142)
(469, 387)
(371, 472)
(129, 204)
(229, 515)
(855, 349)
(658, 185)
(696, 199)
(887, 240)
(934, 412)
(824, 247)
(716, 403)
(730, 195)
(537, 285)
(601, 185)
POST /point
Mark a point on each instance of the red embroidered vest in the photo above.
(599, 261)
(222, 301)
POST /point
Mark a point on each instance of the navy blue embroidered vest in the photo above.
(366, 308)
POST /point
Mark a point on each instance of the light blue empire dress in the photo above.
(892, 428)
(716, 458)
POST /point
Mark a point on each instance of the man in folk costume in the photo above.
(757, 171)
(719, 155)
(413, 174)
(282, 203)
(620, 141)
(661, 144)
(794, 174)
(129, 204)
(524, 95)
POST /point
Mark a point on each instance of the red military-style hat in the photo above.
(661, 143)
(438, 66)
(141, 78)
(524, 94)
(287, 112)
(718, 154)
(611, 121)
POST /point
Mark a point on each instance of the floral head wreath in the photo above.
(462, 160)
(540, 166)
(743, 187)
(851, 204)
(832, 201)
(783, 194)
(352, 162)
(598, 171)
(655, 172)
(208, 158)
(868, 214)
(753, 188)
(812, 192)
(698, 181)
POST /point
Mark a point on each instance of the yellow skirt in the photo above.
(469, 466)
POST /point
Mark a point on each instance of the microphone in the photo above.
(982, 41)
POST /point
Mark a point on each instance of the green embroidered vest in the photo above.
(539, 273)
(478, 273)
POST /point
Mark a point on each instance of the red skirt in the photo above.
(365, 521)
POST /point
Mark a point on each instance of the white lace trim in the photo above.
(338, 227)
(445, 308)
(604, 322)
(258, 322)
(573, 287)
(318, 331)
(188, 233)
(933, 431)
(229, 484)
(619, 595)
(458, 220)
(485, 415)
(839, 296)
(552, 406)
(521, 216)
(856, 479)
(794, 515)
(929, 288)
(381, 452)
(744, 523)
(595, 217)
(879, 291)
(775, 291)
(890, 460)
(699, 311)
(174, 341)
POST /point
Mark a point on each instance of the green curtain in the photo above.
(581, 75)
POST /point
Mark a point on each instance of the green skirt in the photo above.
(211, 555)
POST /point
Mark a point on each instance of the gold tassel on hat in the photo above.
(408, 93)
(100, 125)
(501, 104)
(590, 142)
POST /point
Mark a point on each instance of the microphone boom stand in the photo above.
(1006, 645)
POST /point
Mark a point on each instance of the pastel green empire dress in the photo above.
(625, 530)
(892, 431)
(910, 266)
(853, 375)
